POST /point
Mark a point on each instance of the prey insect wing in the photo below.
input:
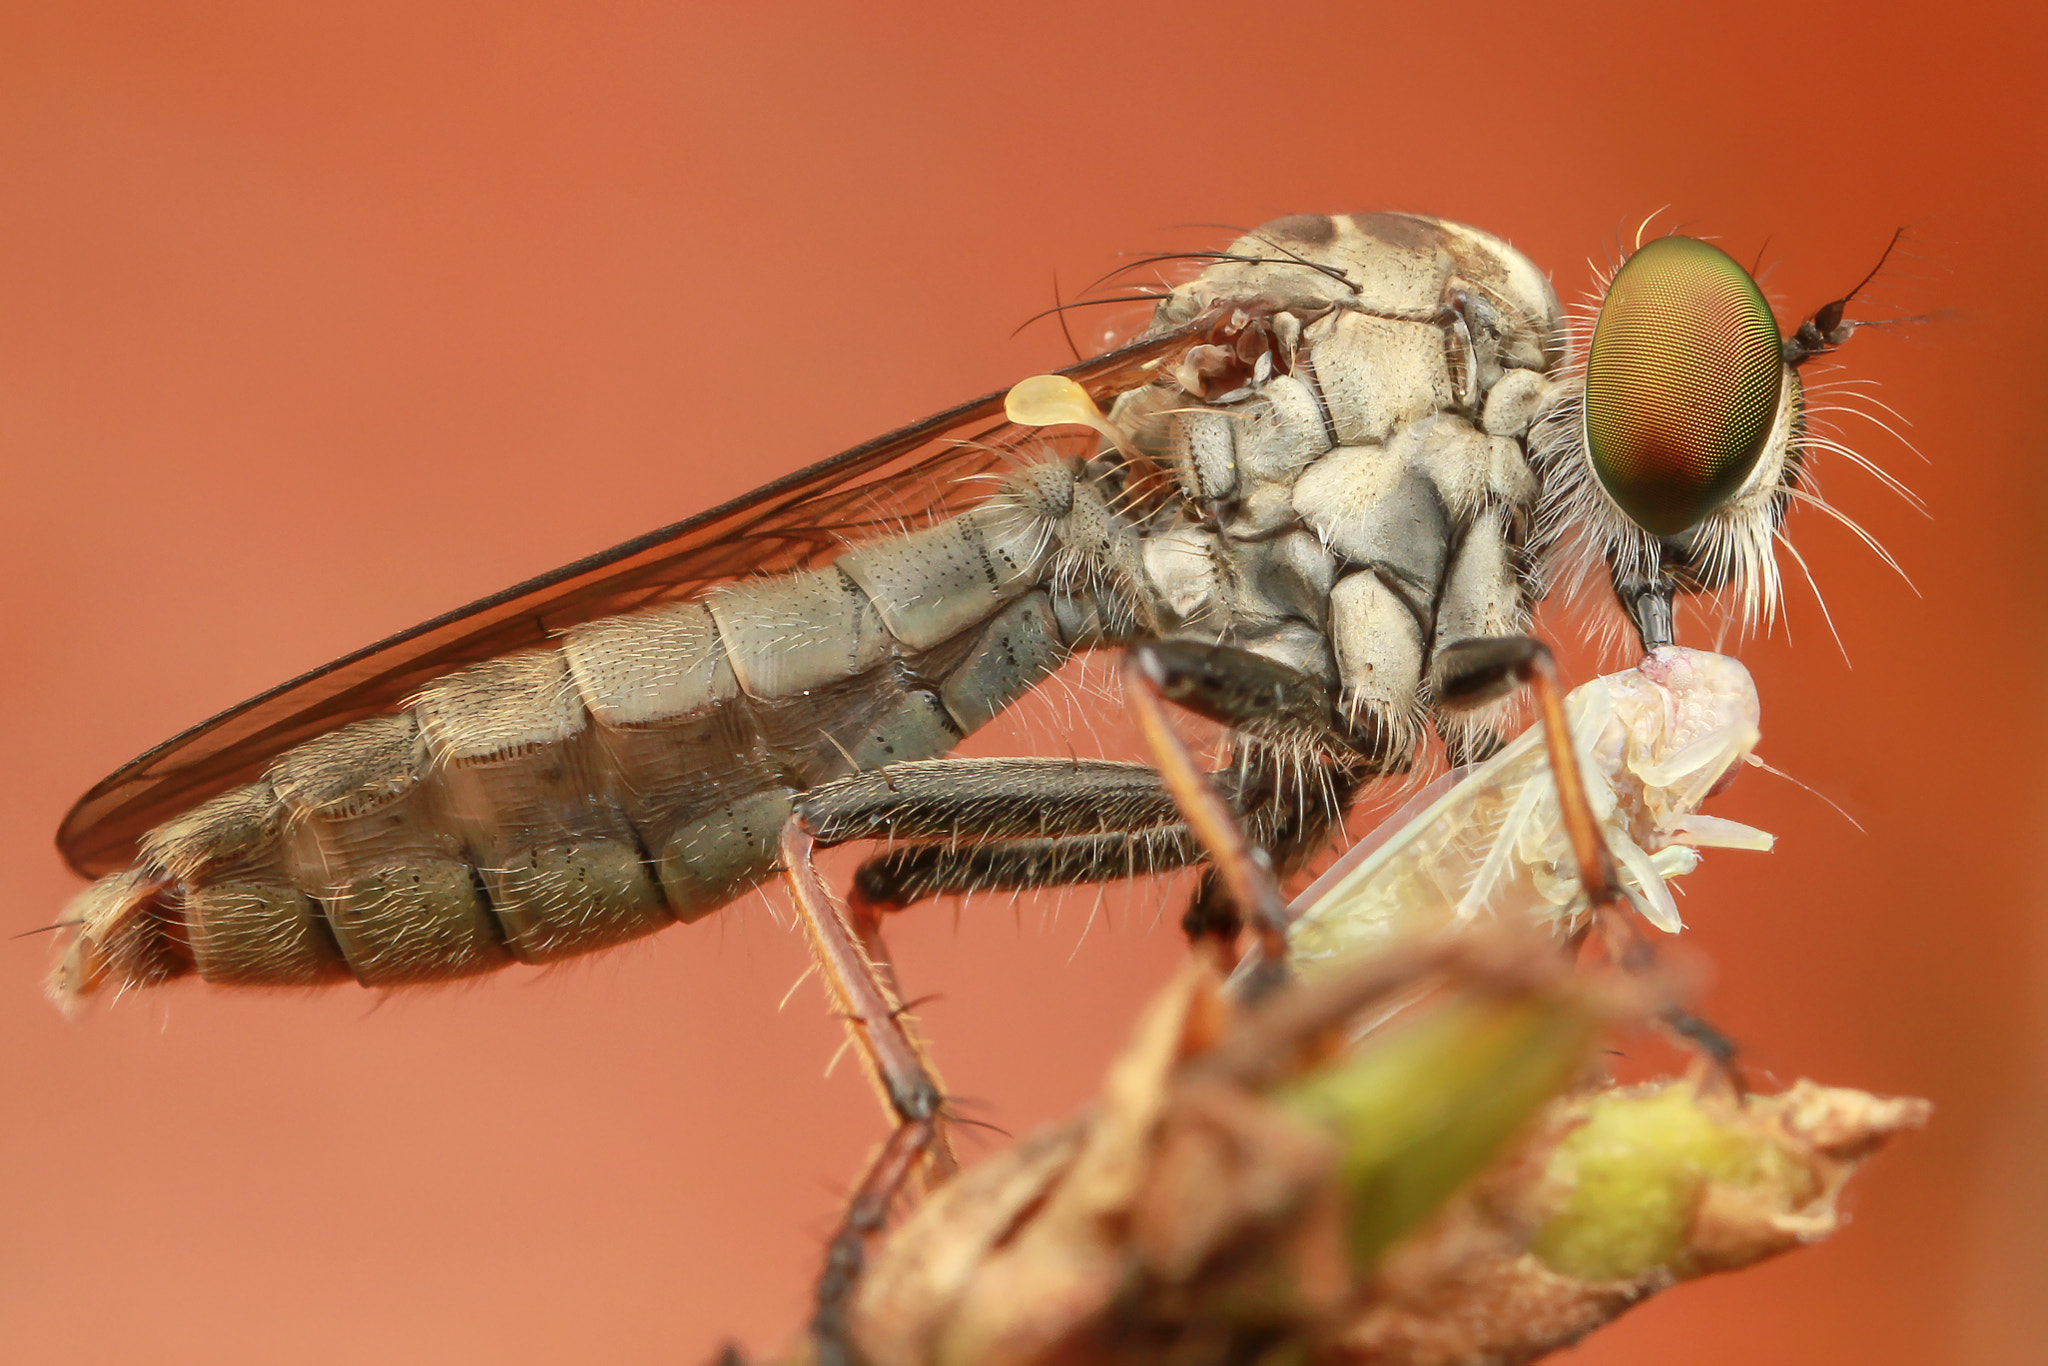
(1489, 840)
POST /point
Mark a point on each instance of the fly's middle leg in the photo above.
(978, 825)
(1239, 881)
(1298, 761)
(974, 825)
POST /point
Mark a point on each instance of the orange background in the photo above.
(316, 320)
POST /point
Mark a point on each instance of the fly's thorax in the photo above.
(1368, 502)
(1408, 267)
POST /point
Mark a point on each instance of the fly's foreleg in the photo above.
(1472, 673)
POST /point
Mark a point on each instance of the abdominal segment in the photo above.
(558, 801)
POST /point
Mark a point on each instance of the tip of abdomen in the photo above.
(118, 934)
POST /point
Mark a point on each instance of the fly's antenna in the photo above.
(1897, 234)
(1827, 329)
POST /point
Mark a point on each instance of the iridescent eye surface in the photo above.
(1682, 383)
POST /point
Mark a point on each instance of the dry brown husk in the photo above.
(1209, 1208)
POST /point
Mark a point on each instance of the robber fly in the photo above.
(1347, 445)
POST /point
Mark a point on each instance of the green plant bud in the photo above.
(1423, 1107)
(1636, 1167)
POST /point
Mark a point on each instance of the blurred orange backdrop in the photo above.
(317, 320)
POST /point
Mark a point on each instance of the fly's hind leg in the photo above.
(895, 1062)
(874, 1015)
(1472, 673)
(987, 823)
(1039, 822)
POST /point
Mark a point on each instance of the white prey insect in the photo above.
(1489, 839)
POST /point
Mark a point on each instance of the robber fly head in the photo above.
(1678, 456)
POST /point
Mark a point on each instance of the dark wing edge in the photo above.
(913, 474)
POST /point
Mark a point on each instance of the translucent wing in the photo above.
(1487, 839)
(913, 474)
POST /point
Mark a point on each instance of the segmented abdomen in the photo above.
(556, 801)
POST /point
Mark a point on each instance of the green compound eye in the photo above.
(1682, 383)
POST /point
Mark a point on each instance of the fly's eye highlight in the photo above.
(1682, 383)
